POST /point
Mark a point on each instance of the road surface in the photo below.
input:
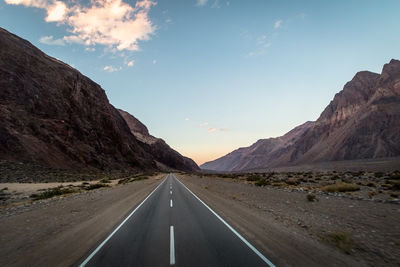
(173, 227)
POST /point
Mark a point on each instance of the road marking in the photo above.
(267, 261)
(171, 246)
(170, 192)
(170, 203)
(116, 229)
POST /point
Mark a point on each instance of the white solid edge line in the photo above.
(119, 226)
(171, 246)
(267, 261)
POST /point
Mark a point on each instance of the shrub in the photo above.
(340, 187)
(57, 191)
(312, 197)
(95, 186)
(292, 181)
(341, 240)
(262, 182)
(105, 181)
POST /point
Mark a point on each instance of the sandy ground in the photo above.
(59, 231)
(291, 231)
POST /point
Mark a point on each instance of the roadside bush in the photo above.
(292, 181)
(95, 186)
(105, 181)
(57, 191)
(312, 197)
(262, 182)
(342, 241)
(340, 187)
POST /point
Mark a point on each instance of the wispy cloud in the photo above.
(112, 23)
(216, 4)
(130, 63)
(262, 44)
(201, 2)
(110, 68)
(49, 40)
(187, 119)
(203, 124)
(154, 61)
(277, 24)
(211, 130)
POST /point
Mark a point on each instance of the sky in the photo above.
(210, 76)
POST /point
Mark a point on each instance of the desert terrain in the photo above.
(295, 219)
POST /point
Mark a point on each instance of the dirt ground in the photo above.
(60, 230)
(293, 231)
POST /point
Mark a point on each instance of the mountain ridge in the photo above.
(51, 114)
(361, 122)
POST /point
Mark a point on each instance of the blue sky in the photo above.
(211, 76)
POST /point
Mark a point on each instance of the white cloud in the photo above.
(130, 63)
(203, 124)
(56, 12)
(49, 40)
(277, 24)
(201, 2)
(211, 130)
(187, 119)
(90, 49)
(112, 23)
(168, 20)
(154, 61)
(110, 68)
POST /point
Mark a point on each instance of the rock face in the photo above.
(53, 115)
(162, 152)
(361, 122)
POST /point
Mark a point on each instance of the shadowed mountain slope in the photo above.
(53, 115)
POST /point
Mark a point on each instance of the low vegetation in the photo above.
(95, 186)
(340, 187)
(341, 240)
(57, 191)
(378, 186)
(312, 197)
(132, 179)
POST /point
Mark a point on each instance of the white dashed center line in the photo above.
(171, 246)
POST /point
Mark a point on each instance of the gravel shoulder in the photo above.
(292, 231)
(59, 231)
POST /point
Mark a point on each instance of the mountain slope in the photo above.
(161, 151)
(361, 122)
(53, 115)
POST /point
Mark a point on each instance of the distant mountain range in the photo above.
(51, 114)
(361, 122)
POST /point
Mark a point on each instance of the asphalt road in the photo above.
(172, 226)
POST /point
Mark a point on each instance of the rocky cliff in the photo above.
(361, 122)
(53, 115)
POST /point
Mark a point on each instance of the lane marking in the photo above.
(170, 192)
(267, 261)
(119, 226)
(171, 246)
(170, 203)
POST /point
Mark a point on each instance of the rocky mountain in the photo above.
(361, 122)
(164, 155)
(53, 115)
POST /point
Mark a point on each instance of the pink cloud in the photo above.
(211, 130)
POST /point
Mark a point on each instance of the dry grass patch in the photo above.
(340, 187)
(341, 240)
